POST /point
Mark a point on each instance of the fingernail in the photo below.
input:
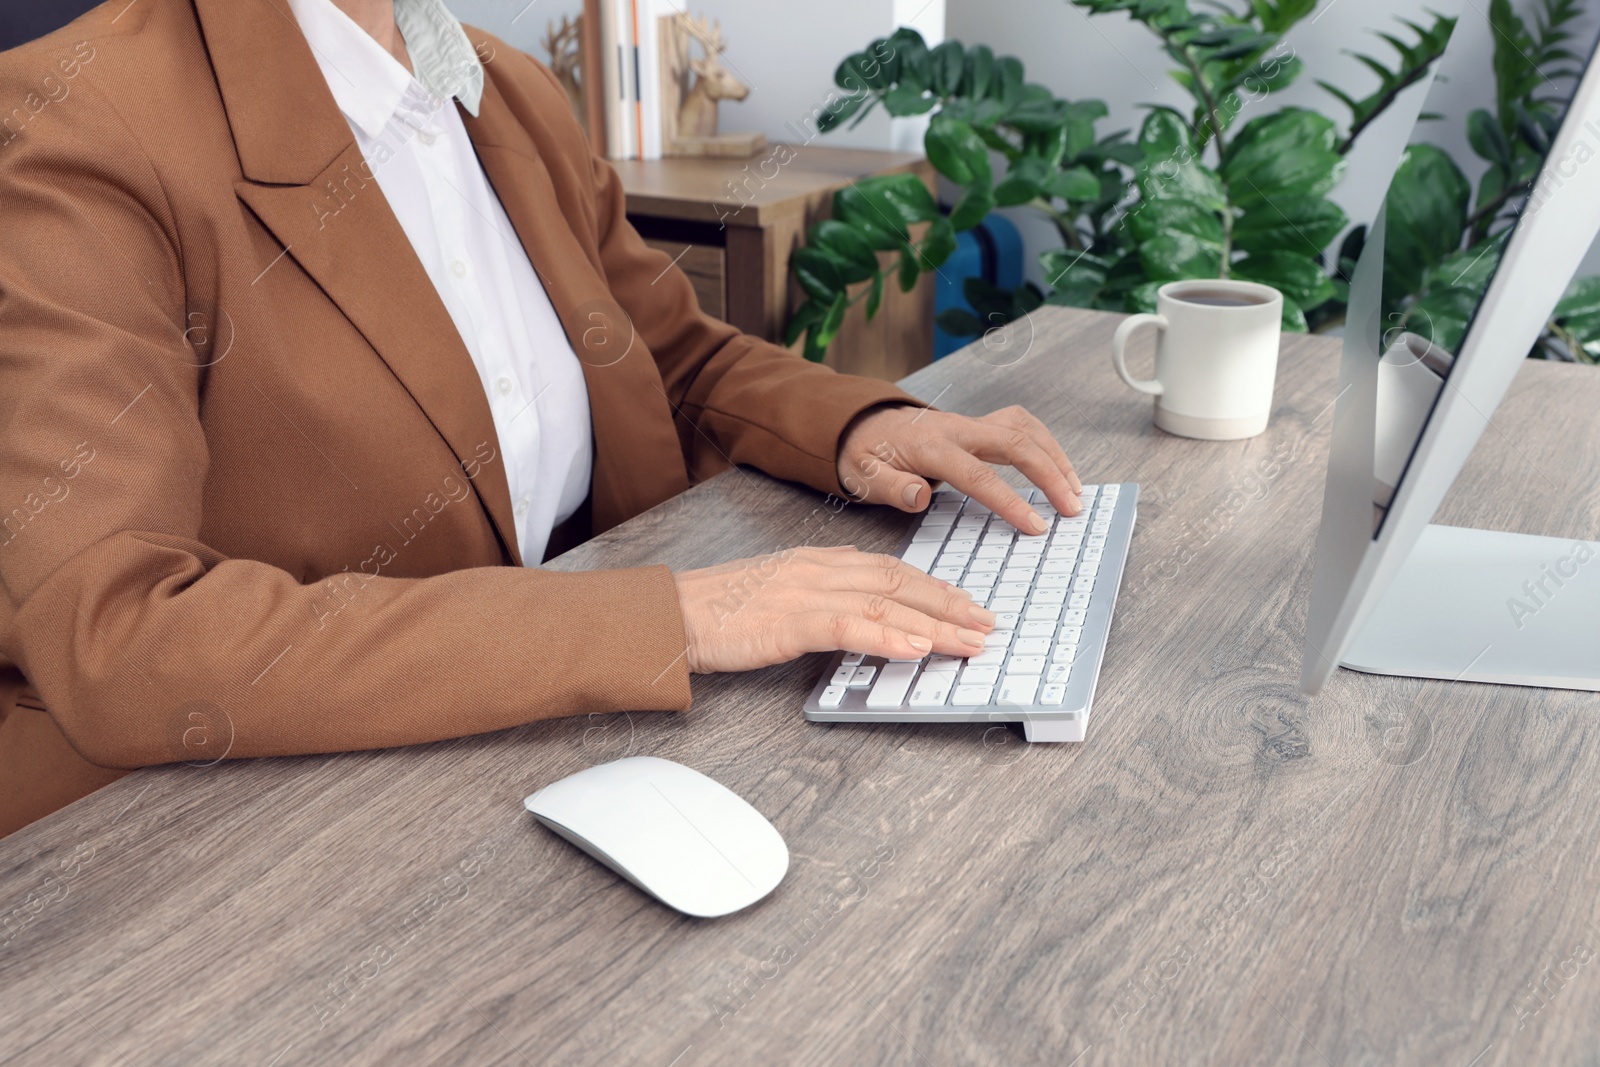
(970, 637)
(910, 495)
(981, 616)
(921, 644)
(1035, 523)
(1077, 502)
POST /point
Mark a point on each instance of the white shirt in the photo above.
(418, 149)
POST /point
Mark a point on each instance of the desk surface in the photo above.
(1224, 873)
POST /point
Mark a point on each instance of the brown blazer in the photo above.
(250, 497)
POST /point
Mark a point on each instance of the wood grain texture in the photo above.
(1224, 873)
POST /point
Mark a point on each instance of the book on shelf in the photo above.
(630, 45)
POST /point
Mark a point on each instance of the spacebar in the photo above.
(894, 681)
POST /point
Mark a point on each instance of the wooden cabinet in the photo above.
(731, 225)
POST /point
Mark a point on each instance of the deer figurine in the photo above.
(692, 87)
(563, 43)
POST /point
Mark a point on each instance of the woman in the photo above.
(320, 327)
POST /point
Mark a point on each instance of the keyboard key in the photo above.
(975, 508)
(1053, 694)
(1037, 629)
(1062, 567)
(1049, 595)
(1069, 635)
(948, 574)
(1072, 617)
(1089, 569)
(1014, 573)
(1058, 674)
(928, 533)
(980, 675)
(932, 690)
(1064, 653)
(943, 507)
(862, 677)
(1042, 612)
(1078, 600)
(921, 554)
(962, 544)
(842, 676)
(997, 639)
(1031, 646)
(1094, 543)
(1018, 691)
(894, 682)
(1053, 578)
(1025, 665)
(1006, 620)
(852, 659)
(980, 590)
(832, 696)
(994, 552)
(1020, 589)
(1007, 604)
(989, 657)
(1091, 555)
(1083, 585)
(941, 665)
(950, 494)
(971, 696)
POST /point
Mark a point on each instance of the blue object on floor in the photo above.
(991, 250)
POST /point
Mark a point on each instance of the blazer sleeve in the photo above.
(747, 399)
(125, 620)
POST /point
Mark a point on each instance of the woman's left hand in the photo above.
(889, 454)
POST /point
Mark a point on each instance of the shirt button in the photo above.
(504, 386)
(427, 138)
(522, 507)
(458, 268)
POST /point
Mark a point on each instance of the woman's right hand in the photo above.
(756, 612)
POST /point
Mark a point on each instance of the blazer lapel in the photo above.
(638, 460)
(304, 178)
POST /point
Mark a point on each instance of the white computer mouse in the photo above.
(689, 841)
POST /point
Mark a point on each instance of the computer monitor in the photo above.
(1427, 359)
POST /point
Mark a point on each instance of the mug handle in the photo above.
(1120, 339)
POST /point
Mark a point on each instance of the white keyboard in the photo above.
(1052, 595)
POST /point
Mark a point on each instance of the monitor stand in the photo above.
(1486, 606)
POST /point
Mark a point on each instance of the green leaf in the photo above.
(1294, 320)
(1143, 297)
(908, 269)
(1170, 256)
(1303, 224)
(885, 205)
(1289, 153)
(1074, 183)
(957, 152)
(1023, 181)
(861, 69)
(911, 58)
(974, 205)
(1171, 168)
(1297, 277)
(875, 294)
(1581, 298)
(829, 327)
(1149, 219)
(1470, 268)
(906, 99)
(1488, 139)
(819, 273)
(848, 247)
(939, 245)
(1427, 217)
(1163, 133)
(959, 322)
(1074, 278)
(1442, 316)
(806, 315)
(1007, 80)
(979, 71)
(946, 63)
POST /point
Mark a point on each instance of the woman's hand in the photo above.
(888, 455)
(755, 612)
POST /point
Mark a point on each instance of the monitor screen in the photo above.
(1473, 169)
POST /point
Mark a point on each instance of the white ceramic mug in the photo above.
(1217, 358)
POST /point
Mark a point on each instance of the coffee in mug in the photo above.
(1216, 360)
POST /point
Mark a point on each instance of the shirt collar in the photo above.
(367, 82)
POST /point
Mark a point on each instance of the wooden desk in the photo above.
(1224, 873)
(732, 224)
